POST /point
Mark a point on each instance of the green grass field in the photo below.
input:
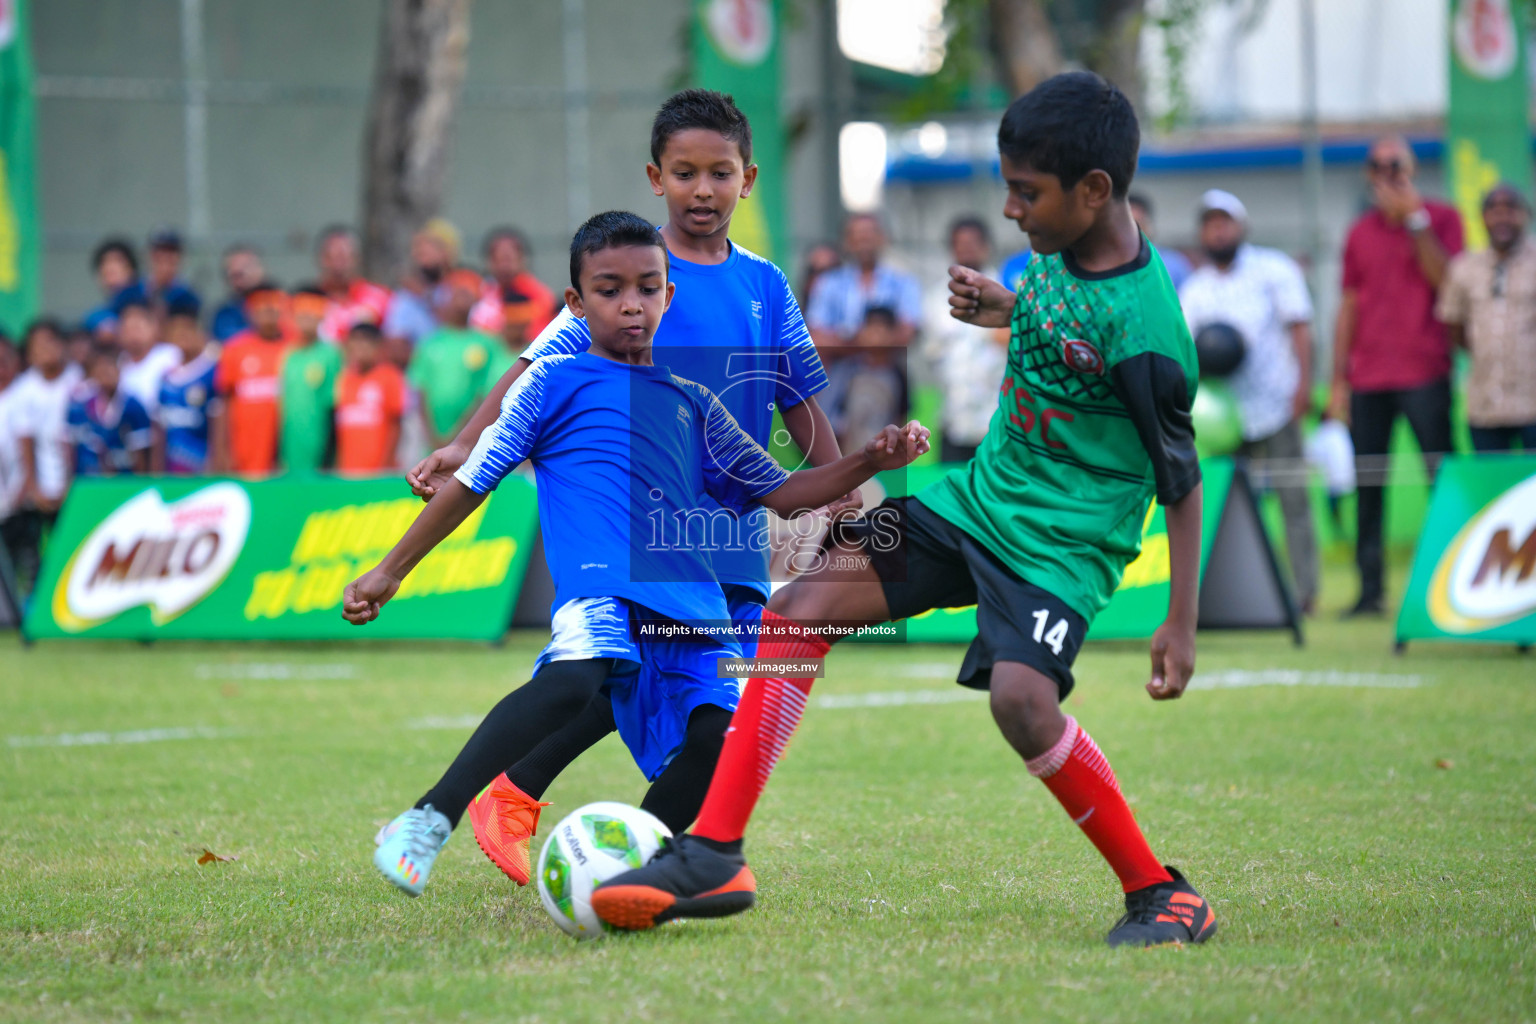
(1370, 849)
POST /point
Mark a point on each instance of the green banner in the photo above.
(1140, 603)
(1474, 573)
(19, 232)
(179, 558)
(1488, 138)
(736, 51)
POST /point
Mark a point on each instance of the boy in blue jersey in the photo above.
(735, 328)
(619, 444)
(187, 398)
(109, 429)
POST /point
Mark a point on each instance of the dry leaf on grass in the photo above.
(209, 857)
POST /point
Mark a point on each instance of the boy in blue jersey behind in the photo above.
(109, 429)
(188, 398)
(735, 328)
(618, 444)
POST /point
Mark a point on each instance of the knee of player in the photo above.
(800, 602)
(1022, 703)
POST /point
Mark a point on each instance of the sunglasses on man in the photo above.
(1390, 168)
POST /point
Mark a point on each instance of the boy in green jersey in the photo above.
(309, 377)
(450, 366)
(1092, 423)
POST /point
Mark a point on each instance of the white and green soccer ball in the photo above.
(591, 845)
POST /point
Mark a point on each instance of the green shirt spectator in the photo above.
(309, 395)
(450, 370)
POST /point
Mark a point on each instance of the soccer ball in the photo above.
(591, 845)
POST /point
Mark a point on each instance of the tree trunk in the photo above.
(1024, 42)
(416, 89)
(1115, 51)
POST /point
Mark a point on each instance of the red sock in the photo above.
(1077, 774)
(770, 709)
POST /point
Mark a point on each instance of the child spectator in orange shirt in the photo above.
(249, 378)
(370, 399)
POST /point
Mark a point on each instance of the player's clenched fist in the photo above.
(895, 446)
(365, 595)
(977, 299)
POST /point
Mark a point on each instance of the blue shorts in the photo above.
(656, 683)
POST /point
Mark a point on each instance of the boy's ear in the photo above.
(654, 173)
(573, 300)
(671, 291)
(1097, 189)
(748, 179)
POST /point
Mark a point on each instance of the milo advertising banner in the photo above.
(1240, 582)
(1474, 573)
(174, 558)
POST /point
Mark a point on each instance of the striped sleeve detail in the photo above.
(565, 335)
(806, 374)
(510, 439)
(739, 465)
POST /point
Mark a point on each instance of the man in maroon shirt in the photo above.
(1390, 355)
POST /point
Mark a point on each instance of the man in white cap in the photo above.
(1261, 293)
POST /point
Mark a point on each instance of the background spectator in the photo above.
(145, 358)
(1262, 293)
(187, 399)
(11, 476)
(243, 270)
(39, 405)
(434, 251)
(867, 389)
(525, 305)
(309, 377)
(109, 429)
(244, 439)
(164, 286)
(370, 399)
(1391, 356)
(819, 259)
(1488, 305)
(844, 294)
(968, 360)
(116, 269)
(351, 298)
(1177, 263)
(450, 364)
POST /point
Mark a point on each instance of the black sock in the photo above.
(555, 752)
(516, 725)
(678, 792)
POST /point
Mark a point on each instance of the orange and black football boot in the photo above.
(505, 818)
(688, 877)
(1164, 913)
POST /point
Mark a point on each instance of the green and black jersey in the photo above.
(1092, 422)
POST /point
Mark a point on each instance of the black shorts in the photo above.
(926, 562)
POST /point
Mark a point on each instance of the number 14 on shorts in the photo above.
(1055, 637)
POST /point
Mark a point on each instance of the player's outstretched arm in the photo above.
(1173, 645)
(808, 489)
(431, 473)
(809, 428)
(368, 593)
(977, 299)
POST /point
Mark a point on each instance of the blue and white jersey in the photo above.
(107, 432)
(187, 395)
(633, 466)
(735, 328)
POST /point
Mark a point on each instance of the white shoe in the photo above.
(408, 845)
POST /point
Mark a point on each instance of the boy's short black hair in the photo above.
(330, 231)
(108, 246)
(880, 315)
(366, 330)
(101, 350)
(1071, 124)
(50, 324)
(970, 222)
(132, 299)
(700, 108)
(615, 229)
(186, 306)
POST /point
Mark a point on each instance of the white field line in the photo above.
(276, 670)
(99, 739)
(898, 698)
(1235, 679)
